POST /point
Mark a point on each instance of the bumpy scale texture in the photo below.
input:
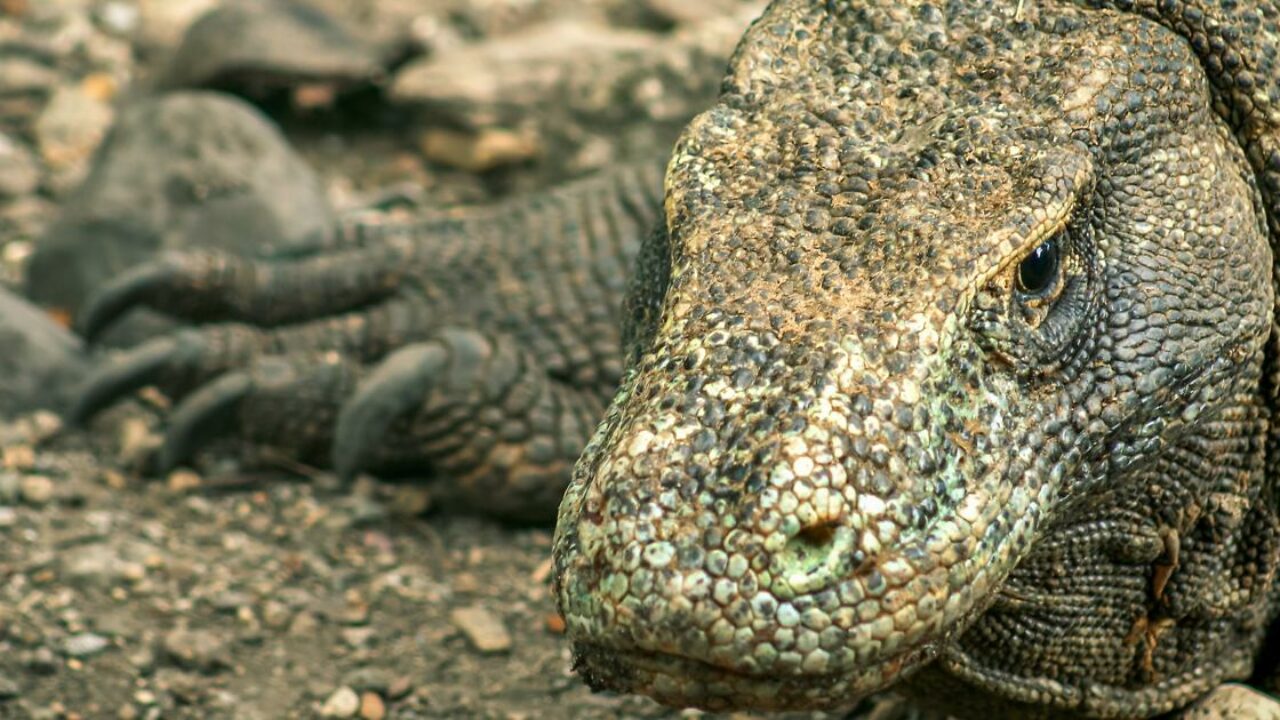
(476, 345)
(959, 346)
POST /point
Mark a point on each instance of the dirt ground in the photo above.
(222, 593)
(266, 596)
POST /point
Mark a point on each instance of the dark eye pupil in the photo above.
(1038, 271)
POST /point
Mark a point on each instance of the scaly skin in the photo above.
(863, 428)
(478, 346)
(853, 448)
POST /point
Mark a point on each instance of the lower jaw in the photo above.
(683, 682)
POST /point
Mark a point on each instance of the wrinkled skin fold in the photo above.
(862, 441)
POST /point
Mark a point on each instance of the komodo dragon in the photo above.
(951, 368)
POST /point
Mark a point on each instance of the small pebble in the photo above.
(67, 133)
(19, 172)
(42, 661)
(199, 650)
(358, 637)
(84, 645)
(369, 679)
(183, 481)
(483, 629)
(343, 703)
(276, 614)
(37, 490)
(400, 687)
(372, 707)
(304, 624)
(18, 457)
(118, 18)
(8, 689)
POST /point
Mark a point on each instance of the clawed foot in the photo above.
(381, 387)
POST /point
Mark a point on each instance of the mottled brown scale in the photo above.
(918, 474)
(849, 452)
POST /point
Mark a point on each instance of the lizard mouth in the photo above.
(682, 681)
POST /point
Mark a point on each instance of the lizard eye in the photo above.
(1039, 270)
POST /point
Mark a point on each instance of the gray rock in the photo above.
(19, 172)
(192, 169)
(483, 629)
(343, 703)
(41, 661)
(41, 363)
(165, 22)
(251, 48)
(83, 645)
(369, 679)
(506, 74)
(198, 650)
(1232, 701)
(573, 94)
(68, 131)
(37, 490)
(98, 565)
(118, 18)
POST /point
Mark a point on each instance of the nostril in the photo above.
(818, 535)
(815, 556)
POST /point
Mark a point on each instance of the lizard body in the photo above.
(951, 365)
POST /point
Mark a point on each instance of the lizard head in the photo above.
(929, 278)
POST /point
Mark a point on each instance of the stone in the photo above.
(572, 95)
(118, 18)
(67, 133)
(37, 490)
(42, 661)
(369, 679)
(1232, 701)
(19, 171)
(163, 23)
(85, 645)
(683, 12)
(186, 170)
(480, 151)
(372, 707)
(42, 361)
(343, 703)
(198, 650)
(252, 48)
(502, 75)
(96, 565)
(483, 629)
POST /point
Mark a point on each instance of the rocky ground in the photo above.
(225, 592)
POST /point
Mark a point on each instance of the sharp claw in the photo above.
(396, 387)
(135, 370)
(119, 296)
(206, 414)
